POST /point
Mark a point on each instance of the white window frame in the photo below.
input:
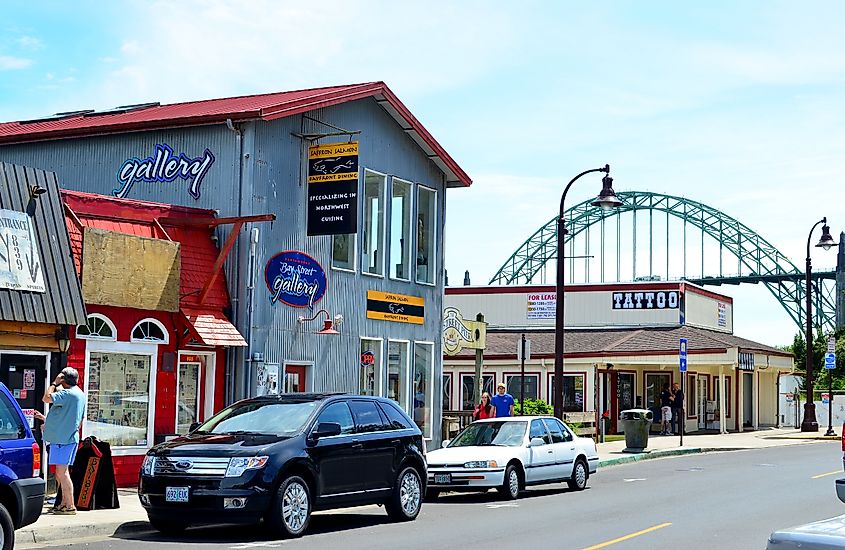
(432, 418)
(309, 373)
(384, 231)
(107, 321)
(200, 390)
(148, 349)
(208, 375)
(434, 236)
(354, 267)
(410, 245)
(379, 366)
(146, 341)
(451, 377)
(406, 384)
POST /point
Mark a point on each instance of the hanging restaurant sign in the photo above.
(652, 299)
(163, 166)
(388, 306)
(460, 333)
(20, 264)
(333, 189)
(295, 278)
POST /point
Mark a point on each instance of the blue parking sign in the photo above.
(682, 354)
(829, 360)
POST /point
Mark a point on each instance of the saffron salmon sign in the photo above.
(295, 278)
(164, 166)
(20, 264)
(333, 189)
(459, 333)
(399, 308)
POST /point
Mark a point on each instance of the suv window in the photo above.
(555, 429)
(11, 425)
(395, 418)
(539, 430)
(339, 414)
(367, 416)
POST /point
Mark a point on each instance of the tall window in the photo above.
(397, 372)
(421, 386)
(426, 234)
(373, 254)
(370, 366)
(343, 252)
(118, 398)
(447, 391)
(573, 392)
(625, 385)
(400, 230)
(468, 389)
(654, 383)
(532, 385)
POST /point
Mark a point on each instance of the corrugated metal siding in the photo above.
(62, 302)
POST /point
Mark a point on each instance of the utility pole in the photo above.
(479, 361)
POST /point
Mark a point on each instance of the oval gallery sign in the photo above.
(295, 278)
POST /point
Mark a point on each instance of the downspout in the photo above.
(231, 352)
(253, 243)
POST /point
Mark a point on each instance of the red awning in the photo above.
(212, 328)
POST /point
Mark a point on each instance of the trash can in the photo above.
(636, 423)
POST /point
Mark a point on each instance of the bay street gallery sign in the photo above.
(333, 189)
(399, 308)
(295, 278)
(20, 264)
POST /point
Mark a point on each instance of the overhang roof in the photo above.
(216, 111)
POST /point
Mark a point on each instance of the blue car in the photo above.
(21, 484)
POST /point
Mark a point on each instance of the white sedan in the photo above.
(510, 454)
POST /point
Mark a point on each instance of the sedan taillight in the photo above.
(36, 460)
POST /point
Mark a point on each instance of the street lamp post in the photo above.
(809, 423)
(606, 200)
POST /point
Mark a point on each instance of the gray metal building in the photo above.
(245, 156)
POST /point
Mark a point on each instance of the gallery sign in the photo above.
(333, 189)
(459, 333)
(20, 264)
(163, 166)
(295, 278)
(650, 299)
(389, 306)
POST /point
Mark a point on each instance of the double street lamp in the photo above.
(809, 423)
(607, 200)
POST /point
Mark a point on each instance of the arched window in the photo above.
(149, 330)
(98, 327)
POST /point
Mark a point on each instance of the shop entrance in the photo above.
(25, 375)
(295, 381)
(747, 399)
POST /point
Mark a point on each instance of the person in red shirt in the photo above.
(484, 409)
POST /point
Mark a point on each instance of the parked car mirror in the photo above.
(326, 429)
(193, 427)
(840, 489)
(445, 443)
(536, 442)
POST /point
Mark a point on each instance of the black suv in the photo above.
(278, 458)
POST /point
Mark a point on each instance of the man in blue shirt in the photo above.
(503, 402)
(61, 430)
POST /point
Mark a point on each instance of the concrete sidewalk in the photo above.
(131, 518)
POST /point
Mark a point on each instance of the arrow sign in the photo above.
(682, 354)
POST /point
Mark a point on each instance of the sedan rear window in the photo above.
(262, 417)
(508, 434)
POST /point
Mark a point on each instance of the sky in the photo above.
(737, 105)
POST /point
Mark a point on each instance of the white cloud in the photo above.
(8, 63)
(30, 43)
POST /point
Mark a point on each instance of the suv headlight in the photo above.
(148, 466)
(237, 466)
(481, 464)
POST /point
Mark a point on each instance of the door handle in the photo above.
(572, 448)
(550, 451)
(357, 444)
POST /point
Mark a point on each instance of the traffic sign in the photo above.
(831, 344)
(682, 354)
(830, 360)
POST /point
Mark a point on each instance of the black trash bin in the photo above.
(636, 423)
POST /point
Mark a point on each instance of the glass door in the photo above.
(187, 396)
(701, 401)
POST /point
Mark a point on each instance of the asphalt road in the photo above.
(730, 500)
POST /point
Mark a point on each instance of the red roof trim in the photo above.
(584, 354)
(707, 293)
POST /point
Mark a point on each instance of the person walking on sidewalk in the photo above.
(665, 409)
(677, 408)
(503, 402)
(61, 430)
(484, 409)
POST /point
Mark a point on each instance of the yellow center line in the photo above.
(627, 537)
(828, 474)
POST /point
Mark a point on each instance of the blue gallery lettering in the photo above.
(164, 166)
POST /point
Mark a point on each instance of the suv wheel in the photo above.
(405, 502)
(7, 529)
(291, 509)
(168, 527)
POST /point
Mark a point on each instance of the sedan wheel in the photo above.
(579, 476)
(292, 508)
(510, 488)
(406, 500)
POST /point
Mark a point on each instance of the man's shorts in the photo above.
(62, 455)
(665, 411)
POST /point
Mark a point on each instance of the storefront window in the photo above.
(400, 230)
(397, 372)
(118, 398)
(188, 395)
(426, 234)
(370, 366)
(343, 252)
(373, 254)
(625, 383)
(447, 392)
(468, 389)
(654, 383)
(717, 383)
(514, 386)
(573, 392)
(423, 376)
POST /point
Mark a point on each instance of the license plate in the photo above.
(176, 494)
(443, 478)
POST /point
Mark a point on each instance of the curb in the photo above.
(648, 456)
(35, 535)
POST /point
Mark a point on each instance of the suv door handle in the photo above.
(357, 444)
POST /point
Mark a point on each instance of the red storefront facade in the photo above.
(148, 372)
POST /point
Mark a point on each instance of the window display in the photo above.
(370, 366)
(397, 372)
(187, 406)
(118, 398)
(423, 373)
(373, 226)
(426, 234)
(400, 230)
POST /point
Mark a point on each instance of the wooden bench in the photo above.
(586, 422)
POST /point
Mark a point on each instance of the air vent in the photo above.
(123, 109)
(58, 116)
